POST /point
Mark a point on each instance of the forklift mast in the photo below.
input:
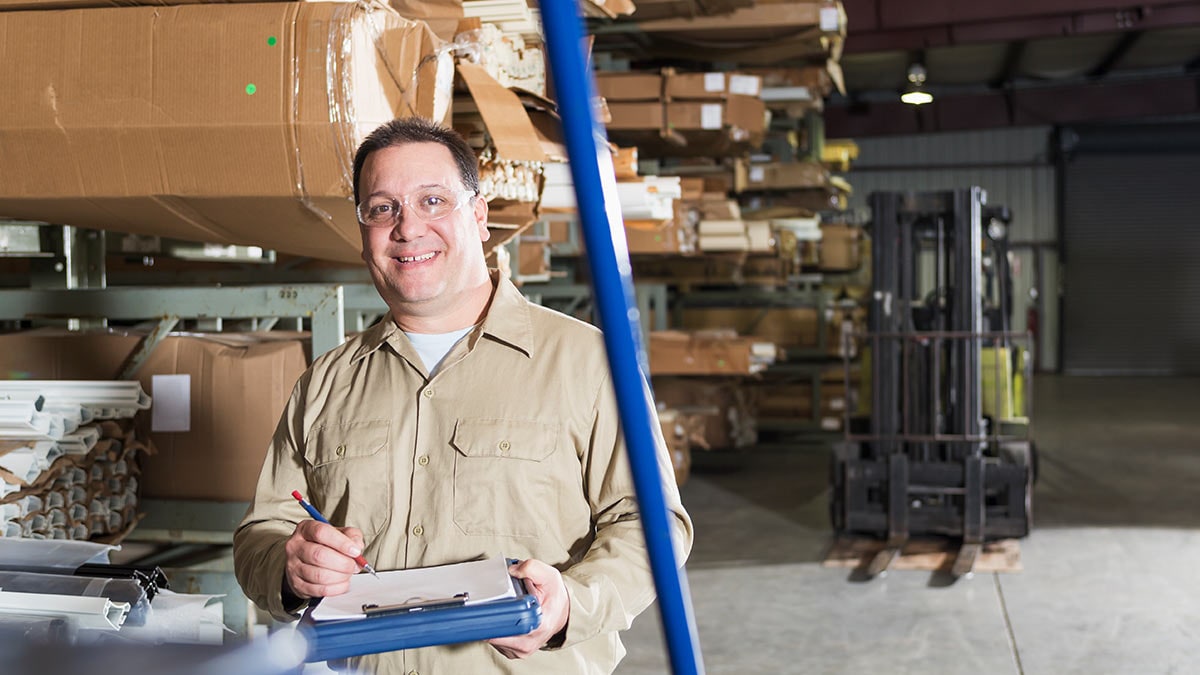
(929, 461)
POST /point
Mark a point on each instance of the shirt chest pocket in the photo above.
(503, 476)
(349, 472)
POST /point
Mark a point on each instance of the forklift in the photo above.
(943, 447)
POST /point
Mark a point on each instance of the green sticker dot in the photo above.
(271, 41)
(250, 89)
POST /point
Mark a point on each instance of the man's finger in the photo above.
(321, 576)
(355, 535)
(318, 555)
(307, 590)
(328, 535)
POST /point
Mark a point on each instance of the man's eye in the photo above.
(380, 210)
(433, 200)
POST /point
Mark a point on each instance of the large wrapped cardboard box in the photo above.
(236, 388)
(231, 123)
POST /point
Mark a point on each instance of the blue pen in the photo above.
(316, 515)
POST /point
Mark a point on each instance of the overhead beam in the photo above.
(1009, 27)
(1192, 66)
(1034, 106)
(1115, 54)
(874, 15)
(1012, 61)
(781, 15)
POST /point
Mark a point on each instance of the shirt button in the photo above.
(428, 393)
(423, 460)
(418, 530)
(504, 447)
(341, 450)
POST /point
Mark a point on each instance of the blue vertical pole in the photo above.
(612, 283)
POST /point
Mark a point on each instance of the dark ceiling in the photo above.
(990, 63)
(1018, 62)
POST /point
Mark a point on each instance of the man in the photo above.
(467, 424)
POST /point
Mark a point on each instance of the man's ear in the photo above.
(481, 218)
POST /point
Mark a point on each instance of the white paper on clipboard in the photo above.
(483, 581)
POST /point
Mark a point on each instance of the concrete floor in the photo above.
(1111, 580)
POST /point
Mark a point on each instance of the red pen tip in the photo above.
(297, 495)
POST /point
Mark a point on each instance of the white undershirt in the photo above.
(433, 347)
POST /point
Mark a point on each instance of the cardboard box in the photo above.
(238, 387)
(722, 410)
(238, 392)
(710, 86)
(660, 9)
(796, 400)
(625, 163)
(508, 125)
(788, 327)
(533, 258)
(636, 116)
(702, 353)
(653, 236)
(632, 86)
(212, 123)
(677, 430)
(53, 354)
(840, 247)
(779, 175)
(741, 112)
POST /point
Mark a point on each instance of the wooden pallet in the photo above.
(924, 554)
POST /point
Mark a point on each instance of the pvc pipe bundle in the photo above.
(104, 399)
(651, 198)
(511, 16)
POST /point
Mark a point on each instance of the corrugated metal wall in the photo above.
(1013, 165)
(1133, 302)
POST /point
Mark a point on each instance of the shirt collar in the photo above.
(507, 321)
(508, 318)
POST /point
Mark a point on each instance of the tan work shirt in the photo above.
(511, 449)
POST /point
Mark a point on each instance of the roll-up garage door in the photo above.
(1131, 211)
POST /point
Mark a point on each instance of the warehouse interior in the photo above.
(913, 282)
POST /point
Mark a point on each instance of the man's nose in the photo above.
(408, 227)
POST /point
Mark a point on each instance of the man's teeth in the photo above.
(417, 258)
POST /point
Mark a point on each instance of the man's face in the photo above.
(422, 266)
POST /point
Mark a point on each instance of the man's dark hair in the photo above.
(419, 130)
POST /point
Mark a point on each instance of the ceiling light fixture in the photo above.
(914, 93)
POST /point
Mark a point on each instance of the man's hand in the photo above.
(320, 559)
(547, 586)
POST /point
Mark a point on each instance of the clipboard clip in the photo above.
(415, 605)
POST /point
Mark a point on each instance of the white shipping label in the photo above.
(831, 423)
(748, 85)
(171, 409)
(710, 116)
(757, 174)
(714, 82)
(838, 404)
(830, 19)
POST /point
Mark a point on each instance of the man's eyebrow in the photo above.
(383, 193)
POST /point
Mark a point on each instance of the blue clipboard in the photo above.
(439, 623)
